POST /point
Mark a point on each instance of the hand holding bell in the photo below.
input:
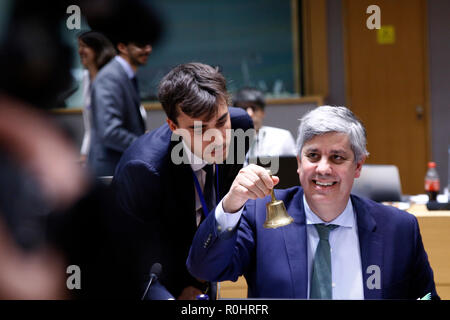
(276, 214)
(252, 182)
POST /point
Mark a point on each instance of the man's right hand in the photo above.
(189, 293)
(252, 182)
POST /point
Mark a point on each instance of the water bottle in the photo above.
(432, 184)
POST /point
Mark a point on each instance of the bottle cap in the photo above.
(431, 164)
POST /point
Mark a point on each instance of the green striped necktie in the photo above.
(321, 271)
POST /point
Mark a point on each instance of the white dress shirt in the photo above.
(346, 270)
(272, 142)
(87, 113)
(346, 274)
(197, 166)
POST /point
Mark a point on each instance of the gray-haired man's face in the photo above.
(327, 169)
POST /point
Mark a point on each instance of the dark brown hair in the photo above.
(249, 97)
(194, 88)
(102, 46)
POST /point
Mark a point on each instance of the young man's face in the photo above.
(327, 169)
(208, 140)
(257, 115)
(136, 54)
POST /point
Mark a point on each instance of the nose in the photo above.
(148, 49)
(323, 167)
(219, 138)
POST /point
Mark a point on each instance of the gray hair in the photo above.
(327, 119)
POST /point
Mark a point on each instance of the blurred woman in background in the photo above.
(95, 51)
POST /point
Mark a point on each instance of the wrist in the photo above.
(230, 206)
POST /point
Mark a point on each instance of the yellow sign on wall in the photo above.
(386, 35)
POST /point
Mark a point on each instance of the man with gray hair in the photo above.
(340, 246)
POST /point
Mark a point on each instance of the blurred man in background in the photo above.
(269, 141)
(117, 114)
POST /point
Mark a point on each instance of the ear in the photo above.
(299, 163)
(359, 165)
(172, 125)
(263, 113)
(122, 48)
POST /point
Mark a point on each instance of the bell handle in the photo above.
(272, 194)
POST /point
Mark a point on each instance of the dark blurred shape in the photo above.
(35, 62)
(27, 230)
(434, 205)
(124, 21)
(34, 59)
(47, 201)
(91, 235)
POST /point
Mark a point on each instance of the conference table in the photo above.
(435, 231)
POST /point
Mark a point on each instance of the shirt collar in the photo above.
(126, 66)
(262, 133)
(195, 162)
(345, 219)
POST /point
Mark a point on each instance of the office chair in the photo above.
(378, 182)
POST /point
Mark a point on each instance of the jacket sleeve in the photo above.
(219, 255)
(109, 112)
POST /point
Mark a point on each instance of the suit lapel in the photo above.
(371, 248)
(135, 94)
(137, 101)
(296, 246)
(132, 90)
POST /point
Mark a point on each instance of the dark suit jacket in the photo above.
(159, 197)
(274, 261)
(116, 118)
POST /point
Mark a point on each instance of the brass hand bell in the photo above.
(276, 214)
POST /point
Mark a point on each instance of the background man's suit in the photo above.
(117, 121)
(274, 261)
(157, 200)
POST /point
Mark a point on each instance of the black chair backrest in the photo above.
(378, 182)
(284, 167)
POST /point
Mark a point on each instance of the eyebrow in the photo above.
(222, 118)
(339, 151)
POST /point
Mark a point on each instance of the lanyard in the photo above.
(200, 193)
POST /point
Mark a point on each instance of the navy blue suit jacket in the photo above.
(274, 261)
(157, 198)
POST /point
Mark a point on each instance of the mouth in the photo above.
(219, 152)
(324, 184)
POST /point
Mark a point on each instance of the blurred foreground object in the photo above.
(52, 214)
